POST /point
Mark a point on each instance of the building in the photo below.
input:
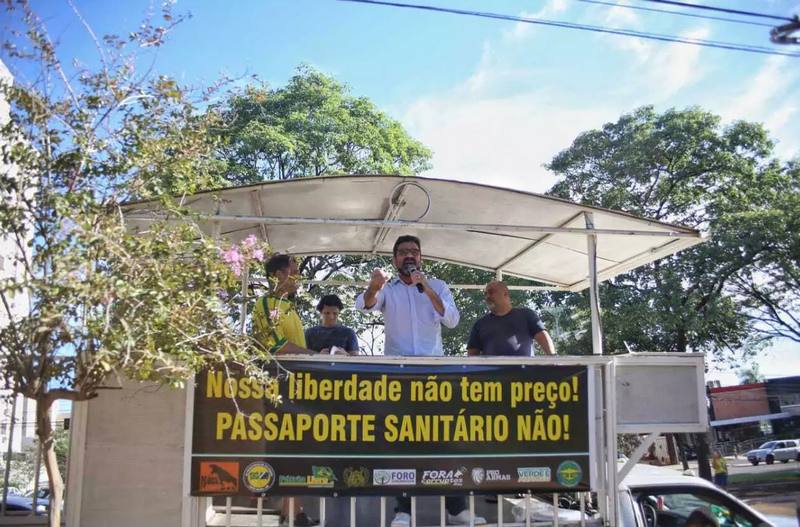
(758, 410)
(784, 399)
(17, 414)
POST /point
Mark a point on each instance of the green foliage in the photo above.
(685, 167)
(310, 127)
(88, 300)
(23, 464)
(751, 375)
(104, 300)
(768, 232)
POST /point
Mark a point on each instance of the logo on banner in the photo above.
(497, 475)
(321, 477)
(444, 477)
(478, 475)
(533, 474)
(219, 476)
(356, 476)
(258, 476)
(569, 473)
(383, 477)
(286, 480)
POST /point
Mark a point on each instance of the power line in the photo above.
(678, 13)
(584, 27)
(721, 9)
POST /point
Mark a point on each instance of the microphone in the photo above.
(409, 268)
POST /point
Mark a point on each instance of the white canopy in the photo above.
(517, 233)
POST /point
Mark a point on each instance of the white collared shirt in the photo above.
(412, 325)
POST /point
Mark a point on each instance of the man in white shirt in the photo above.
(414, 308)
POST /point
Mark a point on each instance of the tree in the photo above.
(311, 127)
(104, 303)
(683, 167)
(771, 286)
(751, 375)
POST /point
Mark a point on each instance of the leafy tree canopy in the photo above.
(311, 127)
(684, 166)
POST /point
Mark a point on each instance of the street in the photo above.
(742, 466)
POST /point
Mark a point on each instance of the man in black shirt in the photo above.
(507, 330)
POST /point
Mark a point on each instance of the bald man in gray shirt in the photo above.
(507, 330)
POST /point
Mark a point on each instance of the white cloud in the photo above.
(621, 16)
(503, 122)
(500, 140)
(664, 68)
(521, 30)
(770, 82)
(781, 117)
(674, 67)
(770, 98)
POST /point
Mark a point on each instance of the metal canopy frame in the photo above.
(354, 215)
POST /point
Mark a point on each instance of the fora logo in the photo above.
(444, 477)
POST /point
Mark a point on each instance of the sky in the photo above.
(494, 100)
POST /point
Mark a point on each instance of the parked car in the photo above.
(42, 498)
(23, 506)
(773, 451)
(13, 491)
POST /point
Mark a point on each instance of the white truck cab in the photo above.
(662, 497)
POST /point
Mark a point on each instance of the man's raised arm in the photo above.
(369, 298)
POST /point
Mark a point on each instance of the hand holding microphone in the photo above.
(416, 276)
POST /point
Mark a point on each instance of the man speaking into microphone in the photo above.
(414, 307)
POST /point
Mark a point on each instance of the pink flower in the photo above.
(258, 254)
(250, 241)
(232, 256)
(236, 267)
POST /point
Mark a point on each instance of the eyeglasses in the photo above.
(408, 252)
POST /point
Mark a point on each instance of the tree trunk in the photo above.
(703, 464)
(681, 440)
(44, 431)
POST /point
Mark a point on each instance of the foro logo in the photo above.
(398, 476)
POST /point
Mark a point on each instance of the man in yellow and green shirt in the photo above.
(276, 323)
(277, 326)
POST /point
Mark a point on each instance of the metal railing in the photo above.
(558, 510)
